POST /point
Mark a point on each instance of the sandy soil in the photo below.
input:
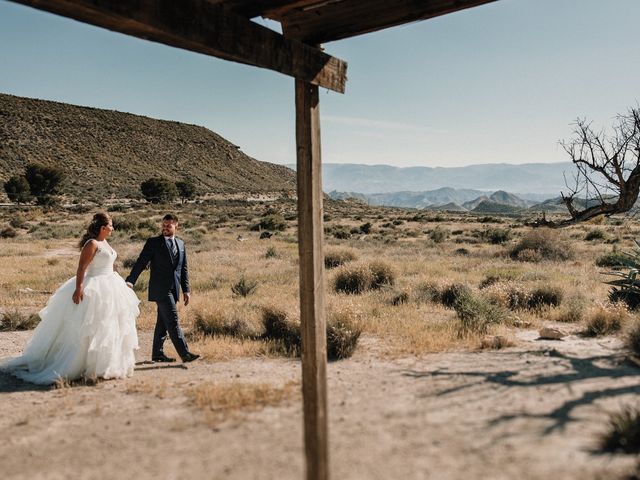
(529, 412)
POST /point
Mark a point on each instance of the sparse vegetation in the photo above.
(624, 432)
(542, 244)
(15, 320)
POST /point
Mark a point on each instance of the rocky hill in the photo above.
(106, 153)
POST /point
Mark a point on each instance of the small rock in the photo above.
(521, 324)
(550, 333)
(495, 341)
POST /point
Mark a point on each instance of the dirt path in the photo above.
(530, 412)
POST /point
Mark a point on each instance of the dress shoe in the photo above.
(163, 359)
(190, 357)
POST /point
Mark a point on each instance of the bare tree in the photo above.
(608, 168)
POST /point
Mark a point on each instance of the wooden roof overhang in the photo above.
(224, 28)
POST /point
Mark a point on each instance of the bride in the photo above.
(87, 328)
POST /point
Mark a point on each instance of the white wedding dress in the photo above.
(95, 338)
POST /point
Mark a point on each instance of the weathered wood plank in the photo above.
(203, 27)
(335, 20)
(312, 308)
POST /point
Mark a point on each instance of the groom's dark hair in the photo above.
(170, 217)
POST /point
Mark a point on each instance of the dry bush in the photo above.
(15, 320)
(426, 292)
(542, 244)
(477, 313)
(343, 332)
(632, 340)
(336, 258)
(624, 432)
(353, 279)
(499, 275)
(382, 275)
(220, 402)
(545, 296)
(496, 342)
(235, 322)
(451, 293)
(606, 319)
(612, 259)
(399, 298)
(244, 287)
(280, 328)
(573, 310)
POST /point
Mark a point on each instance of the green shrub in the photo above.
(18, 222)
(8, 232)
(544, 296)
(17, 189)
(273, 222)
(366, 228)
(124, 224)
(186, 190)
(439, 234)
(159, 190)
(595, 234)
(497, 236)
(244, 287)
(15, 320)
(426, 292)
(450, 293)
(573, 310)
(624, 432)
(44, 182)
(612, 259)
(476, 313)
(542, 244)
(498, 275)
(335, 258)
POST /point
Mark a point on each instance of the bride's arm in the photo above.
(86, 255)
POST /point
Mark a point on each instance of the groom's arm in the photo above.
(141, 263)
(184, 277)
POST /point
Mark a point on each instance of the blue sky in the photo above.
(497, 83)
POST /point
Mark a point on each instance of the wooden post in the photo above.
(312, 315)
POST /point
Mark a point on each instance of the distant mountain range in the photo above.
(451, 199)
(541, 180)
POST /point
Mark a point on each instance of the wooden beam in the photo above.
(203, 27)
(333, 20)
(312, 314)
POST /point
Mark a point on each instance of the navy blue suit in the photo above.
(169, 275)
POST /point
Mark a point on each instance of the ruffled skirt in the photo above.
(94, 339)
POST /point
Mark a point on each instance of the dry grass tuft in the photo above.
(606, 319)
(221, 402)
(624, 432)
(15, 320)
(496, 342)
(542, 244)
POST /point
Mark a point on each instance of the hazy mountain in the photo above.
(108, 153)
(440, 199)
(536, 178)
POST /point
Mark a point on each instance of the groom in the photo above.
(169, 273)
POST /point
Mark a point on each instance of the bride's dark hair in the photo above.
(98, 221)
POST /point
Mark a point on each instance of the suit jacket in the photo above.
(166, 275)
